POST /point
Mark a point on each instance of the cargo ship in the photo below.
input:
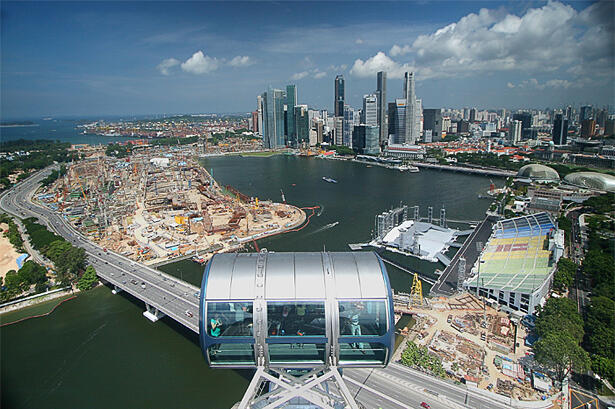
(330, 180)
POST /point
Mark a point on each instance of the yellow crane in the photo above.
(416, 293)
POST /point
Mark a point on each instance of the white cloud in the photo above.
(397, 50)
(358, 41)
(200, 63)
(551, 38)
(241, 61)
(379, 62)
(320, 75)
(166, 65)
(533, 83)
(510, 85)
(299, 75)
(314, 73)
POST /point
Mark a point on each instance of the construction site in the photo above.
(477, 344)
(159, 204)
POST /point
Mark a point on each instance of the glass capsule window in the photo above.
(229, 319)
(296, 352)
(231, 354)
(361, 318)
(362, 352)
(296, 319)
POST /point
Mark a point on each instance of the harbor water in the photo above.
(98, 351)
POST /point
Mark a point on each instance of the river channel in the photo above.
(97, 351)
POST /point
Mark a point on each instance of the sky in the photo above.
(120, 58)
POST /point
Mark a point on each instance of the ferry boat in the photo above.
(330, 180)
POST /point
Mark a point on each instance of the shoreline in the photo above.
(38, 299)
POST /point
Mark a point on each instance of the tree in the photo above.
(560, 315)
(604, 367)
(564, 276)
(32, 273)
(88, 279)
(561, 353)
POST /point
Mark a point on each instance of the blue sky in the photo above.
(90, 58)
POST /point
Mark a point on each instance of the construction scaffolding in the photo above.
(416, 293)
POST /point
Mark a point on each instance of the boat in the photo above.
(330, 180)
(199, 260)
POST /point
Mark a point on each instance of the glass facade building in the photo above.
(397, 122)
(297, 310)
(273, 118)
(338, 104)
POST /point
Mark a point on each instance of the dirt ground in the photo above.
(434, 319)
(8, 254)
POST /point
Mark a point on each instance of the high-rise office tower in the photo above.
(432, 121)
(338, 123)
(586, 113)
(302, 124)
(560, 130)
(588, 128)
(273, 118)
(365, 139)
(472, 115)
(412, 132)
(290, 102)
(526, 123)
(397, 121)
(259, 109)
(382, 106)
(339, 96)
(347, 124)
(514, 134)
(569, 113)
(254, 122)
(369, 116)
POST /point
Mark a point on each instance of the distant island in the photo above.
(18, 123)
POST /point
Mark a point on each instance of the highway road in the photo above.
(399, 387)
(171, 296)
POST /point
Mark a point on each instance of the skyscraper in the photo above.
(411, 129)
(302, 124)
(370, 110)
(586, 113)
(382, 106)
(347, 124)
(259, 109)
(432, 121)
(569, 113)
(560, 130)
(290, 102)
(514, 134)
(273, 118)
(472, 115)
(397, 121)
(339, 96)
(338, 123)
(365, 139)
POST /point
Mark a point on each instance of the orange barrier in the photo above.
(41, 315)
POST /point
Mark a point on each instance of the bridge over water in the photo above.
(162, 294)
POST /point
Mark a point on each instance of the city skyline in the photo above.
(132, 58)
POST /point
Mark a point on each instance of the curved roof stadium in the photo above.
(298, 310)
(592, 180)
(537, 172)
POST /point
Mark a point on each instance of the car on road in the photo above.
(143, 285)
(134, 282)
(189, 314)
(197, 294)
(425, 405)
